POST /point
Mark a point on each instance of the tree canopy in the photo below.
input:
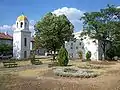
(52, 31)
(103, 25)
(5, 48)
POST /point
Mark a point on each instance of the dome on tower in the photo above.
(21, 18)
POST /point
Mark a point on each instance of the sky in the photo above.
(36, 9)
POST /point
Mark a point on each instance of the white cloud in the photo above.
(10, 28)
(31, 26)
(73, 15)
(5, 27)
(118, 6)
(32, 22)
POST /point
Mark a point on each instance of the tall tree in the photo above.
(52, 31)
(101, 25)
(5, 48)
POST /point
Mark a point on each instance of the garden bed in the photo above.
(75, 72)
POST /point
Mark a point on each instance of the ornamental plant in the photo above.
(88, 55)
(63, 57)
(111, 52)
(80, 54)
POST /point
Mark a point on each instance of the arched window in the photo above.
(21, 24)
(25, 54)
(17, 24)
(25, 41)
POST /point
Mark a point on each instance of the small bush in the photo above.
(80, 54)
(35, 61)
(63, 57)
(111, 53)
(32, 58)
(88, 55)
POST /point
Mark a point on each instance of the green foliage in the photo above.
(63, 57)
(80, 53)
(111, 52)
(117, 51)
(52, 31)
(88, 55)
(32, 57)
(5, 48)
(103, 25)
(33, 60)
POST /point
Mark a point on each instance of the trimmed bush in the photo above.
(63, 57)
(111, 53)
(80, 54)
(32, 58)
(35, 61)
(88, 55)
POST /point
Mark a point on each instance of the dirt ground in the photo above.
(107, 81)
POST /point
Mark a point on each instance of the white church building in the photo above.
(22, 43)
(84, 44)
(21, 38)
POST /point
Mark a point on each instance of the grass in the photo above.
(25, 78)
(33, 72)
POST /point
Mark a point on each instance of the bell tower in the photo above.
(21, 38)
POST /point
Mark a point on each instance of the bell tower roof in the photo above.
(21, 18)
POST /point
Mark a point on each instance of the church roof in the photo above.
(5, 36)
(21, 18)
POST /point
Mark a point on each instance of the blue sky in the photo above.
(35, 9)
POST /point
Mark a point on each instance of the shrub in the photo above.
(34, 61)
(88, 55)
(111, 53)
(37, 62)
(32, 58)
(63, 57)
(80, 54)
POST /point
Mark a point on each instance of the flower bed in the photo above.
(75, 72)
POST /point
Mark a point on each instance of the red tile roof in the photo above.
(5, 36)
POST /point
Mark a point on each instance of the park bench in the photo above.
(10, 64)
(5, 57)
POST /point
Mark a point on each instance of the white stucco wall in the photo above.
(83, 44)
(20, 33)
(27, 35)
(90, 45)
(31, 45)
(73, 47)
(17, 45)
